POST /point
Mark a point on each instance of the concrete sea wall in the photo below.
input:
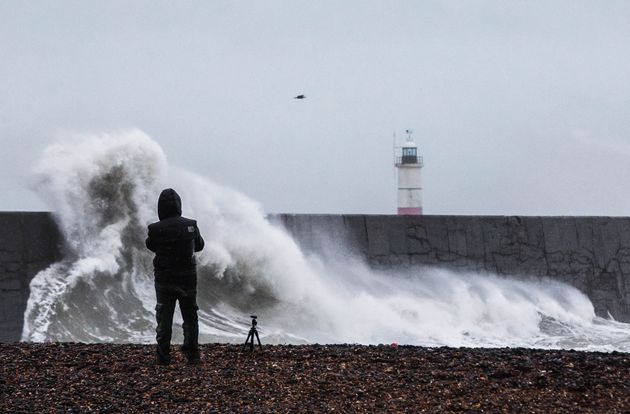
(29, 242)
(590, 253)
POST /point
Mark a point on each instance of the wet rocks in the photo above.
(106, 378)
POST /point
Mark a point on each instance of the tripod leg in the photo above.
(258, 338)
(247, 340)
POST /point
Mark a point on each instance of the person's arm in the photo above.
(150, 242)
(199, 243)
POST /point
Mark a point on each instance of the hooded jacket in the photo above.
(174, 240)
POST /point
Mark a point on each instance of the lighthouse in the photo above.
(409, 165)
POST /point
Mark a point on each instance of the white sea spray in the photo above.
(103, 190)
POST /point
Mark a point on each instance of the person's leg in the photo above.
(188, 307)
(164, 314)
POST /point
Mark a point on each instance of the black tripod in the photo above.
(253, 331)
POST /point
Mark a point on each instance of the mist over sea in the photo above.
(103, 190)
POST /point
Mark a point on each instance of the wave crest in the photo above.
(103, 190)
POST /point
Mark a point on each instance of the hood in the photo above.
(169, 204)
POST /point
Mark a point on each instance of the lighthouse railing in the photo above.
(409, 160)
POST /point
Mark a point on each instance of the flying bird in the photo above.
(299, 97)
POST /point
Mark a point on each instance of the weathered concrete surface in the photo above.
(590, 253)
(28, 243)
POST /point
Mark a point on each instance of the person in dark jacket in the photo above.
(174, 240)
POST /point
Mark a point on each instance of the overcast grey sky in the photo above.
(518, 107)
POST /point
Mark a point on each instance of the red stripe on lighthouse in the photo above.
(409, 211)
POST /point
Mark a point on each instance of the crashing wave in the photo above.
(103, 190)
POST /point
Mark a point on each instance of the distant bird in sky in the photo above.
(299, 97)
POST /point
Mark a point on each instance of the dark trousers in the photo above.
(167, 295)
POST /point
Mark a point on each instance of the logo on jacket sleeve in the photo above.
(191, 229)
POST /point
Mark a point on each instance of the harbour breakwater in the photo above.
(29, 242)
(589, 253)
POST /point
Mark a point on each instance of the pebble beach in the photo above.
(111, 378)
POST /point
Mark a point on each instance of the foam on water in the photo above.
(103, 190)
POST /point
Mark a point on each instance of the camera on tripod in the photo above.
(253, 332)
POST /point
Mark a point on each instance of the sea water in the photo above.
(103, 191)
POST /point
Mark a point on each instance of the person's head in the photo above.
(169, 204)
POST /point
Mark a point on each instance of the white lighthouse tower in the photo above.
(409, 165)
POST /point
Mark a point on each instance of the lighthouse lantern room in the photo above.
(409, 164)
